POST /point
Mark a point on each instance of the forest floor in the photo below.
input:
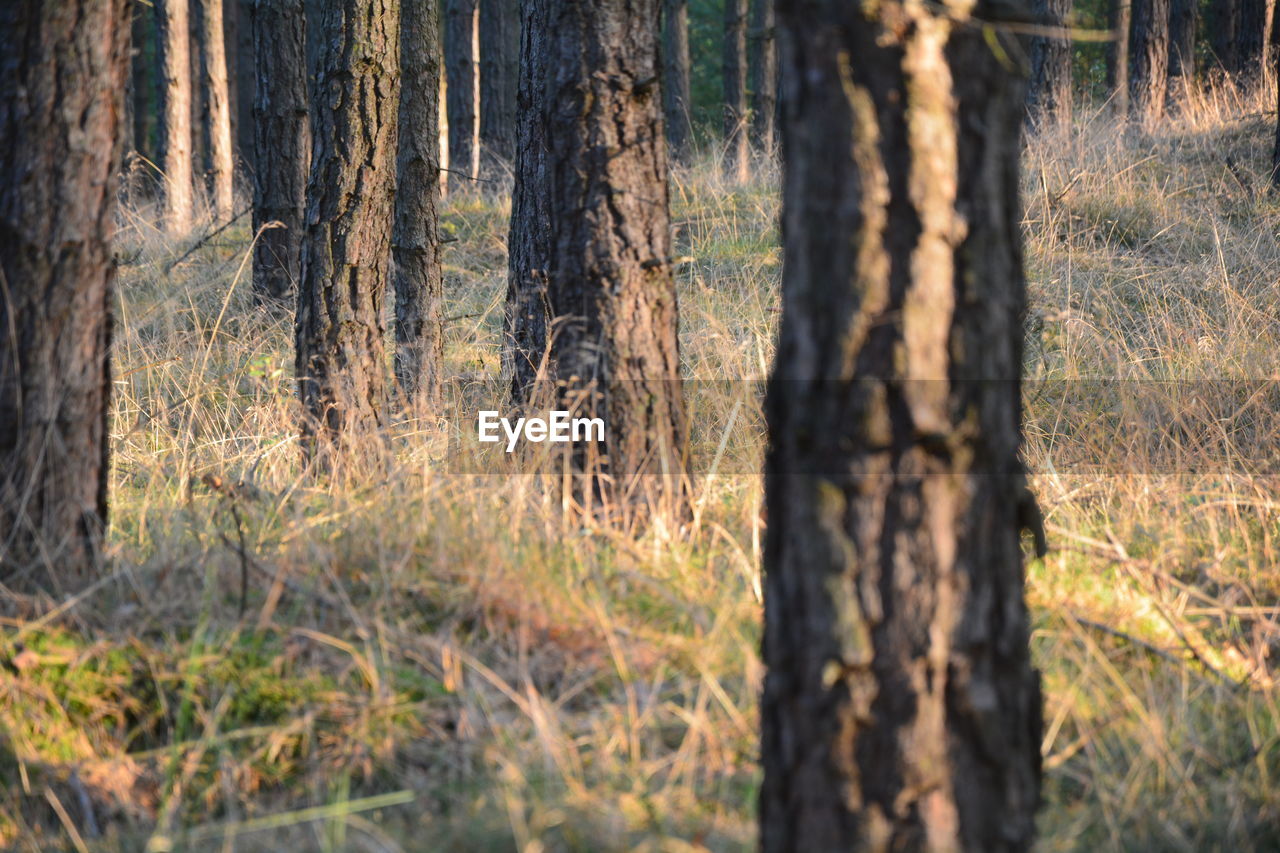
(428, 660)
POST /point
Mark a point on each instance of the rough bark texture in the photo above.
(900, 709)
(764, 78)
(499, 76)
(1183, 17)
(1049, 89)
(415, 242)
(1118, 57)
(216, 108)
(462, 68)
(347, 243)
(173, 55)
(63, 68)
(1149, 60)
(282, 142)
(737, 165)
(675, 77)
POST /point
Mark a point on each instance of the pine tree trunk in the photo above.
(1183, 17)
(1224, 26)
(346, 247)
(461, 67)
(764, 78)
(499, 76)
(1049, 90)
(63, 68)
(173, 54)
(737, 165)
(1118, 57)
(195, 13)
(216, 124)
(675, 77)
(1149, 60)
(1251, 40)
(282, 142)
(415, 242)
(900, 709)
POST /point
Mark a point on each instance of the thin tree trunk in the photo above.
(1049, 90)
(243, 72)
(195, 12)
(415, 242)
(1118, 57)
(1224, 27)
(1149, 60)
(1251, 40)
(675, 77)
(173, 54)
(144, 85)
(1183, 17)
(900, 709)
(737, 165)
(347, 243)
(764, 78)
(461, 48)
(282, 131)
(63, 68)
(499, 76)
(219, 158)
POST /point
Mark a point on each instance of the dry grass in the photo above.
(534, 686)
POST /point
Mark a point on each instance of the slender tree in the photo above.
(499, 75)
(1149, 59)
(173, 54)
(736, 162)
(219, 158)
(63, 68)
(346, 246)
(1118, 57)
(900, 708)
(675, 77)
(764, 78)
(1273, 37)
(282, 143)
(1049, 90)
(1224, 27)
(415, 241)
(1183, 18)
(461, 67)
(1251, 39)
(243, 71)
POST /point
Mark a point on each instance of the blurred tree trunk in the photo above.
(1049, 90)
(764, 78)
(900, 709)
(144, 86)
(1149, 60)
(195, 48)
(499, 75)
(63, 68)
(243, 73)
(346, 247)
(675, 77)
(415, 241)
(1183, 17)
(737, 166)
(173, 55)
(282, 147)
(1224, 26)
(1273, 38)
(1251, 40)
(1118, 57)
(216, 117)
(461, 68)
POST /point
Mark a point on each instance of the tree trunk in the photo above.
(347, 243)
(736, 163)
(1273, 38)
(1149, 60)
(900, 709)
(1183, 17)
(63, 68)
(173, 54)
(216, 124)
(499, 76)
(1251, 40)
(1049, 90)
(144, 86)
(764, 78)
(282, 142)
(1118, 57)
(461, 67)
(415, 242)
(609, 284)
(1224, 25)
(675, 77)
(243, 73)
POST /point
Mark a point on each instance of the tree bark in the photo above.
(1049, 90)
(282, 143)
(216, 119)
(737, 164)
(499, 76)
(346, 246)
(243, 74)
(1273, 37)
(415, 242)
(1118, 57)
(675, 77)
(900, 709)
(1183, 17)
(461, 67)
(1149, 60)
(764, 78)
(1224, 25)
(173, 54)
(63, 68)
(1251, 40)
